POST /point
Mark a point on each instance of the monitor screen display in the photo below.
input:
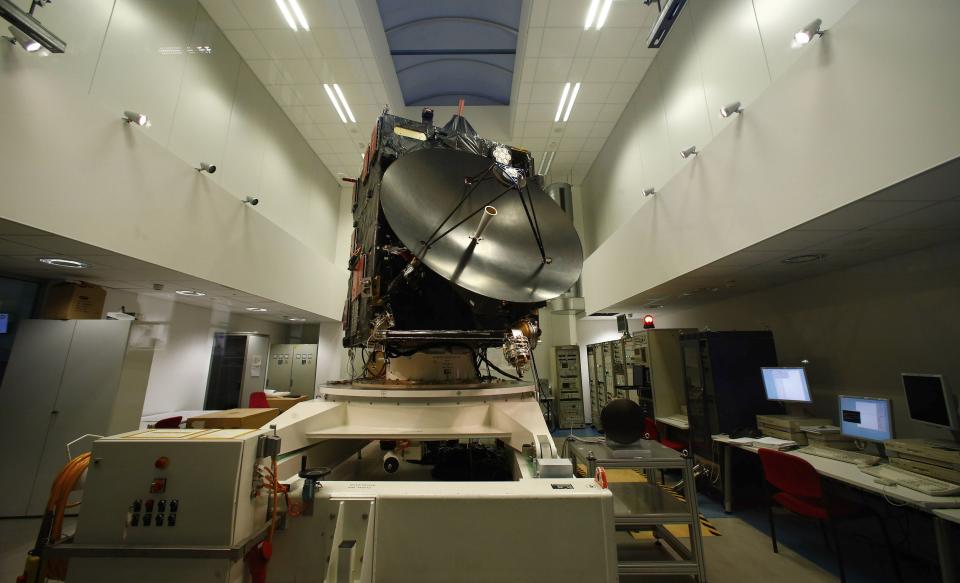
(865, 418)
(4, 322)
(927, 400)
(786, 384)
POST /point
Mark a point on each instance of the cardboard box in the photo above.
(233, 419)
(284, 403)
(74, 301)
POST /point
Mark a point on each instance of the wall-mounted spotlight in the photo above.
(27, 31)
(18, 37)
(251, 200)
(730, 109)
(207, 167)
(691, 151)
(649, 191)
(132, 117)
(806, 34)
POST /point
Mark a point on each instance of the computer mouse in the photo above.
(885, 482)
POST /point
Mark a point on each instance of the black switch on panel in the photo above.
(174, 505)
(137, 504)
(147, 518)
(135, 520)
(159, 520)
(172, 520)
(162, 506)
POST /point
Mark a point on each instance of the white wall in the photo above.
(822, 134)
(182, 335)
(133, 190)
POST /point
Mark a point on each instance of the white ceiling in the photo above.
(21, 248)
(346, 45)
(918, 212)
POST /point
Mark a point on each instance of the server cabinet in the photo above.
(567, 386)
(723, 384)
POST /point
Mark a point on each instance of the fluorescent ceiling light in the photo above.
(297, 319)
(591, 14)
(60, 262)
(343, 100)
(191, 292)
(602, 18)
(286, 14)
(573, 97)
(299, 14)
(807, 258)
(563, 100)
(256, 309)
(336, 104)
(547, 161)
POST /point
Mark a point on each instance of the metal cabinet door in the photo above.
(279, 376)
(29, 396)
(304, 371)
(85, 401)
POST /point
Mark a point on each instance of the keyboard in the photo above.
(841, 455)
(923, 484)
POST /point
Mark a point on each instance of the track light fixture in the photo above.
(251, 200)
(691, 151)
(806, 34)
(18, 37)
(27, 31)
(207, 167)
(649, 191)
(730, 109)
(132, 117)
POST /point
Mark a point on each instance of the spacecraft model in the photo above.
(455, 248)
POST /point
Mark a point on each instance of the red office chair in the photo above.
(800, 490)
(258, 400)
(651, 432)
(168, 423)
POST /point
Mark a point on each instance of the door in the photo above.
(29, 396)
(255, 366)
(225, 381)
(85, 400)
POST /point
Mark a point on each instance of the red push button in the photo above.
(162, 462)
(158, 485)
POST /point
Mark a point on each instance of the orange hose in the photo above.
(58, 502)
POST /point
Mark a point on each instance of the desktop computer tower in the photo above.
(723, 384)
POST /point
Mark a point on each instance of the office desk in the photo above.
(673, 423)
(943, 509)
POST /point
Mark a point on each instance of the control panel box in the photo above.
(169, 488)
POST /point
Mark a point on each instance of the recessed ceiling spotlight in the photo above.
(806, 34)
(191, 292)
(649, 191)
(806, 258)
(730, 109)
(297, 319)
(60, 262)
(132, 117)
(691, 151)
(255, 309)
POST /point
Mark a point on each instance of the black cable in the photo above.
(499, 370)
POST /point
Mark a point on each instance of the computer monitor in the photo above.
(786, 384)
(866, 418)
(929, 400)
